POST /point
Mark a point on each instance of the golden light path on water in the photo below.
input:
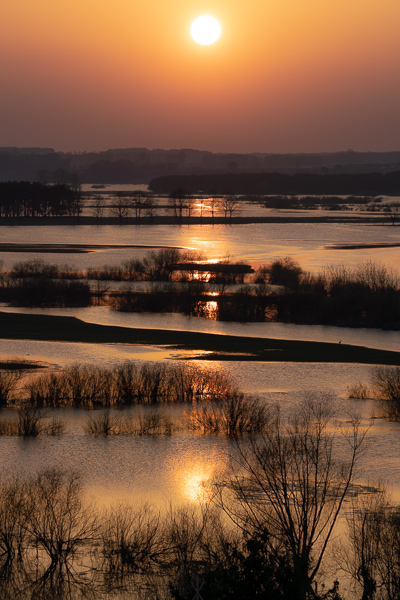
(194, 482)
(311, 244)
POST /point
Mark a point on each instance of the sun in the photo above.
(205, 30)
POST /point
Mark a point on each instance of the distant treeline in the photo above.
(278, 183)
(139, 165)
(25, 199)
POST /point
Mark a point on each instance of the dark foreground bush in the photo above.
(283, 493)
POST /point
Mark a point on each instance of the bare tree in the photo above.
(177, 200)
(215, 204)
(137, 205)
(120, 206)
(189, 205)
(150, 207)
(360, 558)
(289, 482)
(98, 208)
(12, 529)
(56, 520)
(159, 263)
(131, 540)
(8, 382)
(229, 206)
(372, 556)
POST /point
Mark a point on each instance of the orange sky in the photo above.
(285, 76)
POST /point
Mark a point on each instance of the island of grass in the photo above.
(218, 347)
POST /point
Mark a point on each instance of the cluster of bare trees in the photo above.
(125, 205)
(283, 491)
(31, 422)
(233, 415)
(26, 199)
(368, 295)
(372, 555)
(183, 205)
(87, 386)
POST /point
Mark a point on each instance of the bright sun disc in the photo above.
(205, 30)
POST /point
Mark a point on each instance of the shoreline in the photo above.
(218, 347)
(373, 219)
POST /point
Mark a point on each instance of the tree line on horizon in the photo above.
(364, 184)
(140, 165)
(26, 199)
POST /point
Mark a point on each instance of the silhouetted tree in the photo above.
(289, 483)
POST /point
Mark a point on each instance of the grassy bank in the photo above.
(220, 347)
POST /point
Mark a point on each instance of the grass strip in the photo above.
(219, 347)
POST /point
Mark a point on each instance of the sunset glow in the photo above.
(283, 77)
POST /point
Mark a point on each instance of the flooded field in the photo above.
(176, 468)
(311, 244)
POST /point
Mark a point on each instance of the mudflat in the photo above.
(217, 347)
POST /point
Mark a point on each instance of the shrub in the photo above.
(130, 540)
(30, 421)
(235, 415)
(385, 382)
(153, 424)
(102, 423)
(8, 382)
(286, 272)
(358, 391)
(57, 521)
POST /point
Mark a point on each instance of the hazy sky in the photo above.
(285, 76)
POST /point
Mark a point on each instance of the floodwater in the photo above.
(311, 244)
(173, 468)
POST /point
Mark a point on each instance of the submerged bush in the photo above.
(235, 415)
(102, 423)
(34, 421)
(153, 424)
(385, 383)
(131, 540)
(88, 386)
(8, 383)
(57, 520)
(358, 391)
(105, 423)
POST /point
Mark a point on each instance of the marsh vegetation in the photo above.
(290, 480)
(284, 491)
(384, 388)
(175, 281)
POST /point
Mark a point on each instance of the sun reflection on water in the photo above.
(194, 483)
